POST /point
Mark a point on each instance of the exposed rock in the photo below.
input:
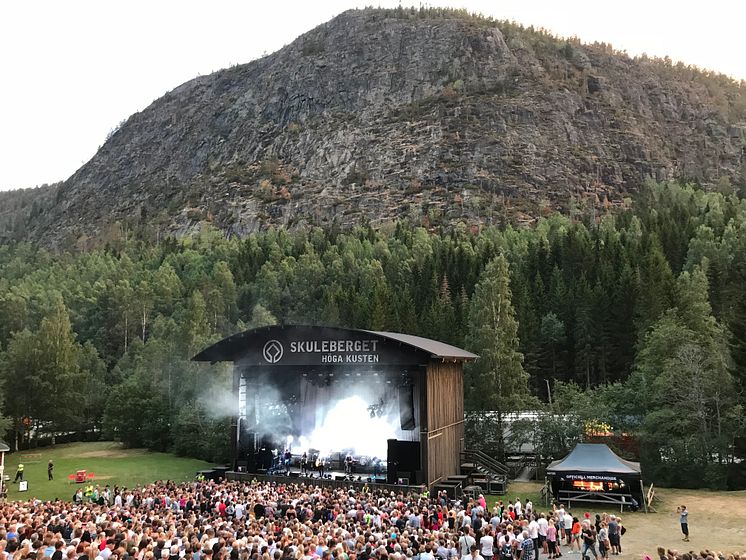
(383, 114)
(595, 84)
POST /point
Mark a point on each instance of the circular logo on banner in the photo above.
(273, 351)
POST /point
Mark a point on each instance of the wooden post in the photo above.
(644, 497)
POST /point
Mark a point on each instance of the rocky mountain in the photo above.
(431, 114)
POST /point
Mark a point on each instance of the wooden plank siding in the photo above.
(443, 433)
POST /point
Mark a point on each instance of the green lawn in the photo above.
(110, 463)
(523, 490)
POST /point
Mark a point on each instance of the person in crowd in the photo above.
(576, 533)
(553, 546)
(603, 538)
(526, 548)
(588, 535)
(614, 538)
(486, 543)
(622, 530)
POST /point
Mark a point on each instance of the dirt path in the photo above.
(717, 520)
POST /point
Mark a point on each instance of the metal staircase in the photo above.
(480, 473)
(490, 475)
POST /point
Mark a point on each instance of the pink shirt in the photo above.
(551, 533)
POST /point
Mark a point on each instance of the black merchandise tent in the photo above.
(594, 473)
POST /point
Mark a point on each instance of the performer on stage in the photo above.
(348, 464)
(376, 467)
(304, 463)
(320, 465)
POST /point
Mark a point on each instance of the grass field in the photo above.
(110, 463)
(717, 520)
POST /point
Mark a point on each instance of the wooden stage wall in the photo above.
(442, 435)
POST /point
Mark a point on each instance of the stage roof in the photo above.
(594, 458)
(435, 348)
(253, 341)
(4, 447)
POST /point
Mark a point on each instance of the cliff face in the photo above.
(382, 114)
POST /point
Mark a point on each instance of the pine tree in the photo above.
(656, 285)
(496, 381)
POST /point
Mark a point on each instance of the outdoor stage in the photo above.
(391, 402)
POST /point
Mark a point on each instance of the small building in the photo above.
(592, 472)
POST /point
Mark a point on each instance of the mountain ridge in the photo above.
(376, 115)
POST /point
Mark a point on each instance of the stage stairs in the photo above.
(480, 473)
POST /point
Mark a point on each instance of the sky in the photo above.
(72, 70)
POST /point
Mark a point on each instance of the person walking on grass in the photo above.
(684, 520)
(50, 470)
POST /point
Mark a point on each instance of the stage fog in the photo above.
(328, 414)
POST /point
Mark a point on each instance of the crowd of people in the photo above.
(208, 520)
(669, 554)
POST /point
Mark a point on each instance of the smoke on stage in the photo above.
(323, 414)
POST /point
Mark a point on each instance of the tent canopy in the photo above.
(594, 458)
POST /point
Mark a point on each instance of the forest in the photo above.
(631, 324)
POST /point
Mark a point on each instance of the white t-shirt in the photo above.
(486, 544)
(533, 529)
(464, 544)
(543, 526)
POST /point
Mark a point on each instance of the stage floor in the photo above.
(294, 472)
(336, 479)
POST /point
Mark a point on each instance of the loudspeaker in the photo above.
(339, 477)
(407, 455)
(402, 457)
(246, 442)
(406, 407)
